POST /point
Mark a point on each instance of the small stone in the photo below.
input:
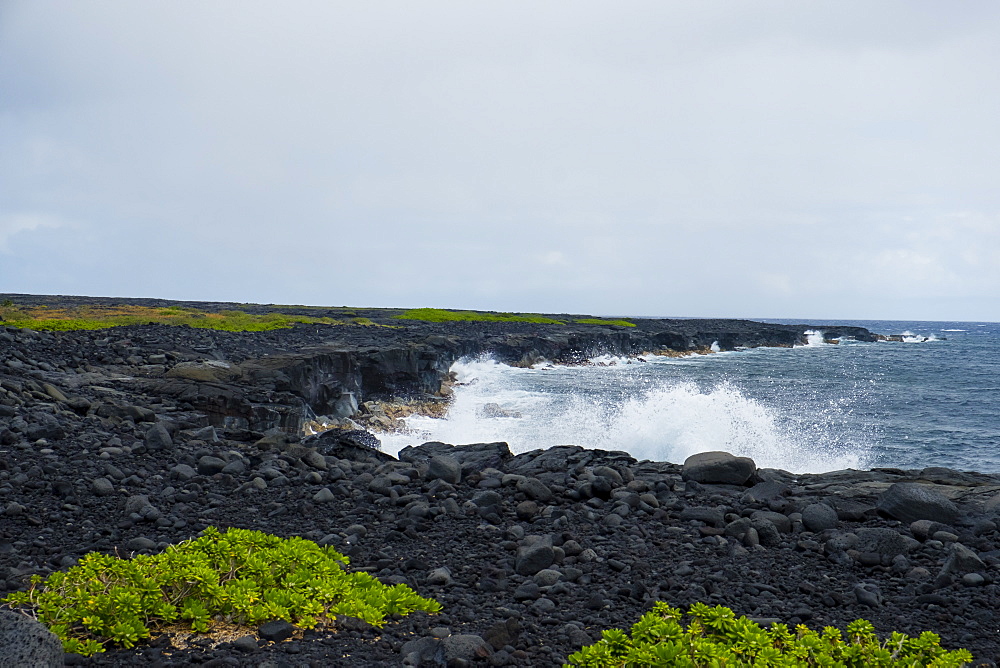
(962, 560)
(183, 471)
(534, 489)
(102, 487)
(868, 595)
(208, 465)
(141, 544)
(276, 631)
(158, 438)
(973, 580)
(818, 517)
(534, 555)
(439, 576)
(324, 496)
(465, 647)
(547, 577)
(444, 467)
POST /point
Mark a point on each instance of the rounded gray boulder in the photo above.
(718, 467)
(819, 517)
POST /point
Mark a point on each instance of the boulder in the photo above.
(818, 517)
(444, 467)
(883, 541)
(909, 502)
(158, 438)
(209, 371)
(962, 560)
(534, 555)
(718, 468)
(26, 642)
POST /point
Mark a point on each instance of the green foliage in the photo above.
(367, 322)
(715, 637)
(442, 315)
(239, 576)
(103, 317)
(599, 321)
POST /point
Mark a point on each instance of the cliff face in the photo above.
(280, 379)
(284, 390)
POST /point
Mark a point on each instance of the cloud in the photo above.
(19, 224)
(652, 157)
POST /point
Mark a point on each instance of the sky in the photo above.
(774, 158)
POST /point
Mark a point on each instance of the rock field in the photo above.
(530, 555)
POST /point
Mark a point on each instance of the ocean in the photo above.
(932, 399)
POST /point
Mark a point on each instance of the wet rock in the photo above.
(718, 467)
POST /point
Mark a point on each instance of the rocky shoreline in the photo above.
(125, 440)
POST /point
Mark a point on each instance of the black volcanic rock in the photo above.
(530, 555)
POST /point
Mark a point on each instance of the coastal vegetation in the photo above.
(443, 315)
(600, 321)
(238, 577)
(102, 317)
(714, 636)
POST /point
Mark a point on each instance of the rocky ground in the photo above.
(530, 555)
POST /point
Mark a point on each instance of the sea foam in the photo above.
(662, 420)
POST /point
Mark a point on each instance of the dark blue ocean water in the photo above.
(933, 400)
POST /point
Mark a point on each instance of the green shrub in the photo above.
(599, 321)
(442, 315)
(240, 577)
(103, 317)
(716, 637)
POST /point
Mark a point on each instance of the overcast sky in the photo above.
(700, 158)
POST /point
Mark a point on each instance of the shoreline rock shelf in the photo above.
(531, 556)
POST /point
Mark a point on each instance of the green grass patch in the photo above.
(103, 317)
(237, 577)
(716, 637)
(442, 315)
(599, 321)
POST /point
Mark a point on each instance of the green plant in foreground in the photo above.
(240, 576)
(600, 321)
(443, 315)
(715, 637)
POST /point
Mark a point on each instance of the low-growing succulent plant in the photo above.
(237, 576)
(715, 637)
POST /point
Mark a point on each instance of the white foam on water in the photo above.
(715, 347)
(814, 338)
(910, 337)
(954, 330)
(666, 422)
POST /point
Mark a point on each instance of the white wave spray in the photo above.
(667, 421)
